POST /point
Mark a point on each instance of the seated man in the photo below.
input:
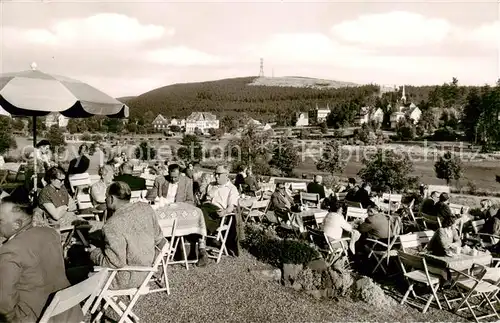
(173, 187)
(282, 203)
(316, 187)
(334, 226)
(31, 266)
(56, 201)
(135, 183)
(250, 183)
(446, 240)
(443, 208)
(363, 196)
(376, 226)
(429, 204)
(131, 235)
(221, 199)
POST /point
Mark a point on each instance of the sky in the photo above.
(126, 48)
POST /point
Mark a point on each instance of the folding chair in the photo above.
(341, 196)
(458, 209)
(72, 296)
(356, 213)
(353, 204)
(393, 199)
(138, 196)
(266, 195)
(175, 242)
(258, 209)
(150, 180)
(110, 296)
(418, 275)
(429, 221)
(78, 181)
(309, 199)
(477, 226)
(298, 187)
(258, 194)
(415, 240)
(86, 207)
(387, 252)
(221, 236)
(319, 217)
(169, 231)
(474, 284)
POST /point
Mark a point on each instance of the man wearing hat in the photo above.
(221, 199)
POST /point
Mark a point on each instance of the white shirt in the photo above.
(172, 192)
(334, 224)
(223, 195)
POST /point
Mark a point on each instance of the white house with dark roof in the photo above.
(202, 121)
(413, 112)
(57, 119)
(160, 123)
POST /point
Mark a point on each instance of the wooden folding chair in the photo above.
(353, 204)
(299, 187)
(419, 274)
(319, 217)
(392, 199)
(150, 180)
(341, 196)
(78, 182)
(258, 209)
(417, 240)
(169, 231)
(387, 248)
(429, 221)
(111, 296)
(72, 296)
(221, 236)
(474, 284)
(138, 196)
(311, 199)
(356, 213)
(86, 208)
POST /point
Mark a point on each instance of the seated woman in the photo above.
(446, 240)
(99, 189)
(55, 200)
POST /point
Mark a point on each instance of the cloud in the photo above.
(393, 29)
(315, 48)
(97, 30)
(181, 56)
(486, 35)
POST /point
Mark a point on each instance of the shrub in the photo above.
(275, 251)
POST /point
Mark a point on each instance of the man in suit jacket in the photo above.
(363, 196)
(135, 183)
(131, 236)
(376, 226)
(315, 187)
(281, 202)
(174, 187)
(31, 266)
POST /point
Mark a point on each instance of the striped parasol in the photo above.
(34, 93)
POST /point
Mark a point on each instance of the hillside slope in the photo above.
(235, 96)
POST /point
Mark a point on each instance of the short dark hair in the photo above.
(27, 207)
(83, 147)
(352, 181)
(434, 193)
(444, 197)
(121, 190)
(173, 167)
(53, 173)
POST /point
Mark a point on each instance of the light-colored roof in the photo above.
(160, 119)
(201, 116)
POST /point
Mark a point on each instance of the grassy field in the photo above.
(480, 172)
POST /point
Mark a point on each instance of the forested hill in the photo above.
(230, 97)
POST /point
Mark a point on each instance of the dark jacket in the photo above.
(363, 197)
(136, 183)
(316, 188)
(443, 210)
(428, 207)
(377, 226)
(78, 165)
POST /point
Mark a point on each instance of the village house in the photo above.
(412, 112)
(160, 123)
(178, 122)
(56, 119)
(202, 121)
(319, 115)
(367, 114)
(302, 119)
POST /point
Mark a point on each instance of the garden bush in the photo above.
(276, 251)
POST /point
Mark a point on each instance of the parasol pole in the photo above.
(35, 178)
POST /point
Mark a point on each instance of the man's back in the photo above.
(316, 188)
(377, 226)
(31, 268)
(136, 183)
(131, 235)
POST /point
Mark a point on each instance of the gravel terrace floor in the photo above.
(228, 292)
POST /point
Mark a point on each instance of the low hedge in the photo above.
(276, 251)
